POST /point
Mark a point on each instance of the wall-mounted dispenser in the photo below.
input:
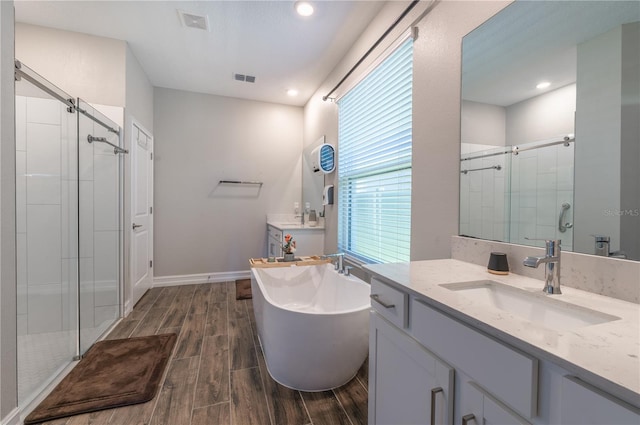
(327, 195)
(323, 158)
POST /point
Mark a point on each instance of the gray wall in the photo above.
(201, 226)
(436, 111)
(8, 365)
(75, 62)
(598, 109)
(483, 124)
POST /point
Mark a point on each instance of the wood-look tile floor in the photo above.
(217, 374)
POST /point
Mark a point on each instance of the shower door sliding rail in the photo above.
(567, 139)
(97, 120)
(516, 150)
(23, 71)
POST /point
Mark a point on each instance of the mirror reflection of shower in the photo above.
(68, 224)
(511, 193)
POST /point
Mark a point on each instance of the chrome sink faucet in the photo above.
(339, 256)
(552, 266)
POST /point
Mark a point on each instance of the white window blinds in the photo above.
(374, 162)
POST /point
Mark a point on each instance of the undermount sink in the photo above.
(536, 307)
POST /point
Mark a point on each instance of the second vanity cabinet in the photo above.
(428, 367)
(309, 240)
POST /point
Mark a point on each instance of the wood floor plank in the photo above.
(137, 414)
(151, 322)
(237, 308)
(213, 376)
(254, 327)
(179, 308)
(190, 340)
(248, 404)
(95, 418)
(166, 297)
(285, 405)
(201, 299)
(175, 400)
(218, 292)
(353, 397)
(148, 300)
(363, 374)
(325, 409)
(62, 421)
(217, 322)
(219, 414)
(241, 347)
(123, 329)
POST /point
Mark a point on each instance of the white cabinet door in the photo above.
(407, 384)
(584, 405)
(478, 408)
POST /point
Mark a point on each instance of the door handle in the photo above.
(135, 226)
(434, 392)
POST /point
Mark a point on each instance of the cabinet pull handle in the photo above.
(434, 392)
(377, 299)
(467, 418)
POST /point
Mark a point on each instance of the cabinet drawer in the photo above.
(275, 233)
(583, 404)
(510, 375)
(391, 303)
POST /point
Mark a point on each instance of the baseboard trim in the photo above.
(13, 418)
(191, 279)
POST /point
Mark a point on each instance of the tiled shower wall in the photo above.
(484, 194)
(541, 181)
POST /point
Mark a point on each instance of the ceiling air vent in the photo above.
(193, 21)
(245, 78)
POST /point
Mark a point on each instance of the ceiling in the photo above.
(531, 41)
(265, 39)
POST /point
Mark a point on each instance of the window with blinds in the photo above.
(374, 162)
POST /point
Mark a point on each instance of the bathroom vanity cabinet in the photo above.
(428, 366)
(309, 240)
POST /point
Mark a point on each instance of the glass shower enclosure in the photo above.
(69, 229)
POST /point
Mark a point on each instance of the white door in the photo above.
(141, 212)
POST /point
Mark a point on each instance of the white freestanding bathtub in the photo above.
(313, 324)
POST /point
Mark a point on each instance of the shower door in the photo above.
(100, 223)
(47, 232)
(68, 229)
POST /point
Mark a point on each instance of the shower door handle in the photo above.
(562, 226)
(135, 226)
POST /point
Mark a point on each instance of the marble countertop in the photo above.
(607, 355)
(295, 226)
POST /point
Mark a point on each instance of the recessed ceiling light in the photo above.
(292, 92)
(303, 8)
(543, 85)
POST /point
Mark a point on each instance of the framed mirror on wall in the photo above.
(550, 128)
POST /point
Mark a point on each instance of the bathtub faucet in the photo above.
(338, 265)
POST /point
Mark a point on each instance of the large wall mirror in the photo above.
(550, 129)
